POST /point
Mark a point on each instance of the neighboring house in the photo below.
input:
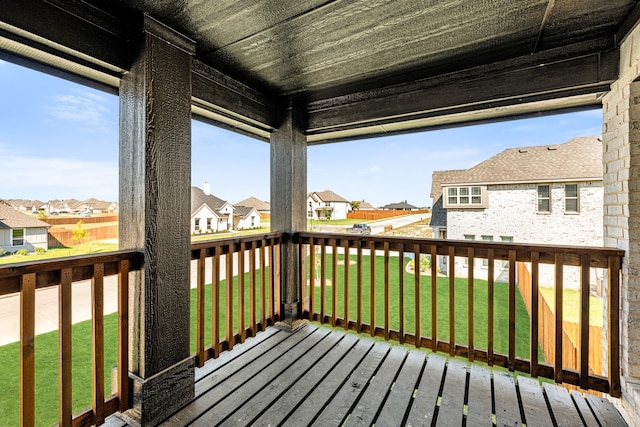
(20, 231)
(401, 206)
(210, 214)
(327, 205)
(246, 217)
(365, 206)
(542, 194)
(253, 202)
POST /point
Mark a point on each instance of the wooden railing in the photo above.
(370, 297)
(24, 280)
(251, 290)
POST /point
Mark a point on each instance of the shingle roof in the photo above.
(330, 196)
(11, 218)
(198, 198)
(365, 205)
(244, 211)
(254, 203)
(440, 177)
(579, 158)
(400, 205)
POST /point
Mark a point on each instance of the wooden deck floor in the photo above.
(316, 376)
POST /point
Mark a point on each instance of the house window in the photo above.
(544, 198)
(197, 224)
(465, 196)
(485, 262)
(571, 198)
(327, 203)
(506, 239)
(253, 221)
(468, 237)
(17, 237)
(208, 223)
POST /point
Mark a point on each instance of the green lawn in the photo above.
(47, 344)
(83, 249)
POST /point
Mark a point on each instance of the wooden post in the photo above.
(155, 181)
(288, 201)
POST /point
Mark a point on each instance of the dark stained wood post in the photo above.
(155, 179)
(288, 203)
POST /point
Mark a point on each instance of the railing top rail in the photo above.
(275, 237)
(48, 271)
(598, 255)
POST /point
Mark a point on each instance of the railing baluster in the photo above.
(252, 288)
(241, 288)
(323, 281)
(434, 298)
(372, 288)
(613, 326)
(512, 310)
(263, 286)
(401, 294)
(215, 303)
(273, 267)
(559, 259)
(65, 348)
(27, 350)
(200, 307)
(275, 287)
(387, 310)
(97, 341)
(535, 257)
(585, 263)
(229, 297)
(312, 278)
(416, 291)
(123, 335)
(491, 256)
(347, 265)
(359, 286)
(334, 283)
(470, 285)
(452, 301)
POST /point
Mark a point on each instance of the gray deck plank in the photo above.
(426, 398)
(261, 376)
(338, 408)
(245, 411)
(607, 414)
(533, 404)
(237, 372)
(451, 410)
(563, 408)
(330, 385)
(479, 402)
(376, 391)
(584, 409)
(506, 400)
(296, 394)
(399, 398)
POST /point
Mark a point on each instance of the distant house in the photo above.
(365, 206)
(245, 218)
(401, 206)
(253, 202)
(327, 205)
(210, 214)
(20, 231)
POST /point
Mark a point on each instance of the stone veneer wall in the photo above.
(621, 158)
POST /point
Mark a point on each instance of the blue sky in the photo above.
(59, 140)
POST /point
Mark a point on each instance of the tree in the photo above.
(355, 205)
(79, 234)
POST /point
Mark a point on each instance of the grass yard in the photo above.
(94, 247)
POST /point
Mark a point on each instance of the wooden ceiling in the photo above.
(359, 67)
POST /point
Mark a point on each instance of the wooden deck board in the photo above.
(316, 376)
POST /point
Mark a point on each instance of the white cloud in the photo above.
(375, 169)
(85, 107)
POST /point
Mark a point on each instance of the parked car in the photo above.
(360, 229)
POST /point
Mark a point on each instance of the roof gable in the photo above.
(11, 218)
(329, 196)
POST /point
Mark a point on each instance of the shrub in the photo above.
(22, 252)
(40, 251)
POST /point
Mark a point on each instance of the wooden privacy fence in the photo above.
(372, 215)
(58, 237)
(251, 292)
(346, 287)
(570, 330)
(25, 279)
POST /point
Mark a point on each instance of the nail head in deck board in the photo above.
(564, 411)
(376, 392)
(479, 402)
(532, 401)
(584, 409)
(452, 403)
(506, 400)
(399, 397)
(236, 394)
(298, 393)
(245, 411)
(323, 392)
(338, 408)
(424, 404)
(605, 411)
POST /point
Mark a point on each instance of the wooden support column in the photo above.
(288, 201)
(155, 180)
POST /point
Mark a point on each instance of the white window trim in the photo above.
(538, 198)
(446, 202)
(577, 198)
(24, 237)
